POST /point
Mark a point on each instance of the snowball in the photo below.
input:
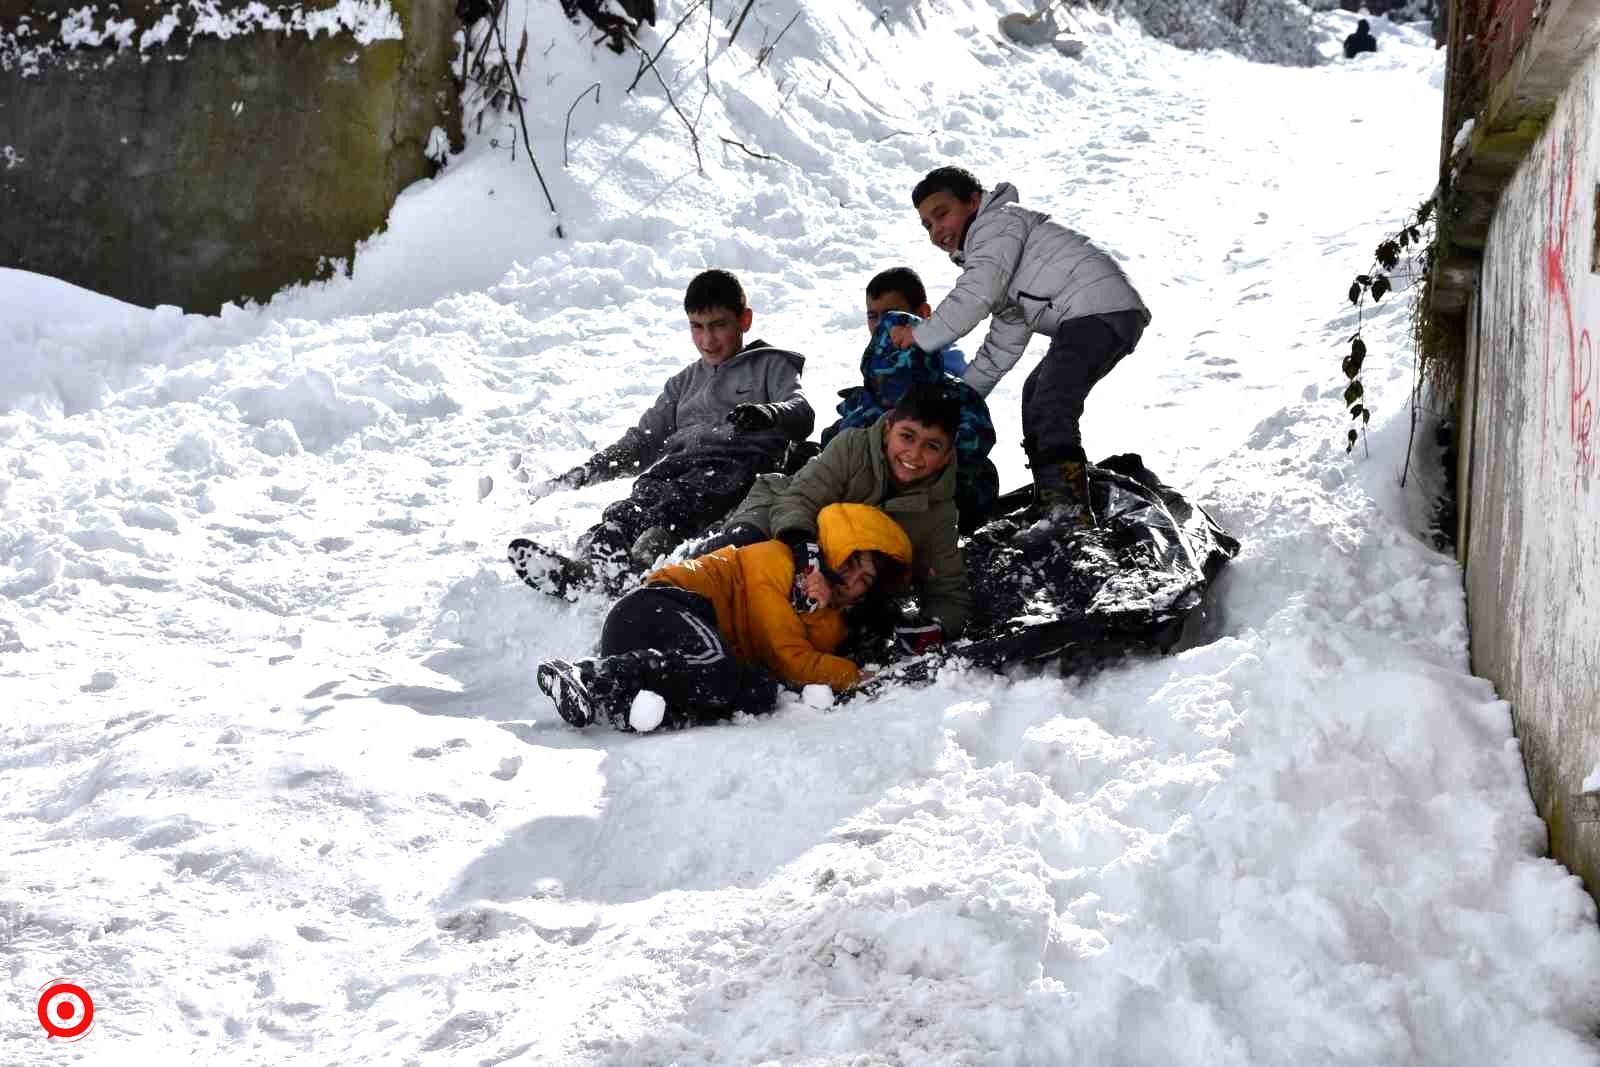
(647, 711)
(817, 696)
(194, 451)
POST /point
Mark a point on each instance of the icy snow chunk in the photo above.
(149, 517)
(1591, 784)
(99, 682)
(278, 438)
(194, 451)
(438, 147)
(817, 696)
(647, 711)
(322, 414)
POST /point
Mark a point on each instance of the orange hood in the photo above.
(843, 529)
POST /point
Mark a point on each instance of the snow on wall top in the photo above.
(37, 43)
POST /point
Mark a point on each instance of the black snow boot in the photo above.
(570, 685)
(605, 550)
(546, 570)
(1061, 490)
(588, 690)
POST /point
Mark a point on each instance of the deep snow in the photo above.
(278, 787)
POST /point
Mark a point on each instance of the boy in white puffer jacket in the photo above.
(1033, 275)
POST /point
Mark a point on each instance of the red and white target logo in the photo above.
(65, 1010)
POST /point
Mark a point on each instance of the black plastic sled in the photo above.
(1046, 593)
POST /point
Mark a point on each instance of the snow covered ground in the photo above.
(278, 788)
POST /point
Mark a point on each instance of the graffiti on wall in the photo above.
(1571, 379)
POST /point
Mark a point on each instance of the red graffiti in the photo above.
(1580, 350)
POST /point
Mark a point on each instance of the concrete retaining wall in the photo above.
(199, 169)
(1532, 550)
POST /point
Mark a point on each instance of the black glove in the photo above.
(575, 478)
(917, 638)
(807, 560)
(753, 418)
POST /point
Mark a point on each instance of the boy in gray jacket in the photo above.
(1033, 275)
(718, 423)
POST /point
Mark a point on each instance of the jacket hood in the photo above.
(843, 529)
(1001, 195)
(759, 347)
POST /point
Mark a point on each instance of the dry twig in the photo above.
(527, 142)
(692, 9)
(694, 138)
(748, 4)
(767, 49)
(751, 151)
(565, 161)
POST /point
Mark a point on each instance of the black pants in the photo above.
(1083, 351)
(688, 492)
(665, 639)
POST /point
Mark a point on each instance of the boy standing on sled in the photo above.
(718, 423)
(716, 635)
(1033, 275)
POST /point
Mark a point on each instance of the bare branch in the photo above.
(527, 142)
(767, 50)
(748, 4)
(694, 138)
(565, 162)
(751, 151)
(692, 9)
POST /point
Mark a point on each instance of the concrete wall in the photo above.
(206, 170)
(1533, 547)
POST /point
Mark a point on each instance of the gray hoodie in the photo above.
(1029, 272)
(692, 410)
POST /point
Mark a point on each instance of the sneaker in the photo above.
(549, 572)
(567, 684)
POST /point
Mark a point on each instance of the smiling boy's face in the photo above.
(718, 333)
(945, 218)
(891, 300)
(915, 452)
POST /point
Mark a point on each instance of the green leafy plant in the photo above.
(1413, 243)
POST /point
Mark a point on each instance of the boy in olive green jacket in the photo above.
(905, 464)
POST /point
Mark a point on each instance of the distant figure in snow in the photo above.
(727, 417)
(1360, 41)
(1032, 275)
(716, 635)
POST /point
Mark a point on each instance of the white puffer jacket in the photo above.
(1031, 274)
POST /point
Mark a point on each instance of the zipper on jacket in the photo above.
(1045, 300)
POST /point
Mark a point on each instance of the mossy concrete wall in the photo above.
(208, 170)
(1532, 552)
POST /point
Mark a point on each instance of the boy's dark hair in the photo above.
(959, 182)
(714, 289)
(931, 404)
(902, 280)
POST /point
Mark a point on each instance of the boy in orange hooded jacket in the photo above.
(716, 635)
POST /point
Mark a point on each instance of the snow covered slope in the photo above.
(278, 786)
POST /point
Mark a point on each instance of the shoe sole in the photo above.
(540, 568)
(558, 680)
